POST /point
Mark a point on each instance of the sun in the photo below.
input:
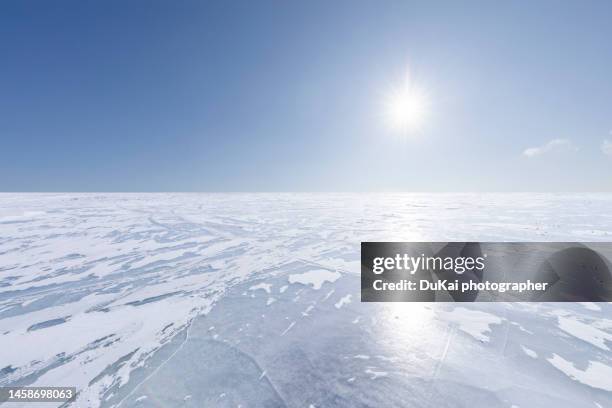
(406, 107)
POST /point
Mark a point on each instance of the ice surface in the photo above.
(252, 300)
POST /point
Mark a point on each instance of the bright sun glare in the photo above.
(406, 107)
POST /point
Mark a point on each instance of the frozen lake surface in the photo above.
(252, 300)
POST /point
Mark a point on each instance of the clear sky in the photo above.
(290, 96)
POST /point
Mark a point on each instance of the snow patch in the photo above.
(343, 301)
(265, 286)
(288, 328)
(596, 375)
(473, 322)
(376, 374)
(529, 352)
(590, 306)
(585, 332)
(316, 278)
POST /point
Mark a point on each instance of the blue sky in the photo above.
(287, 96)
